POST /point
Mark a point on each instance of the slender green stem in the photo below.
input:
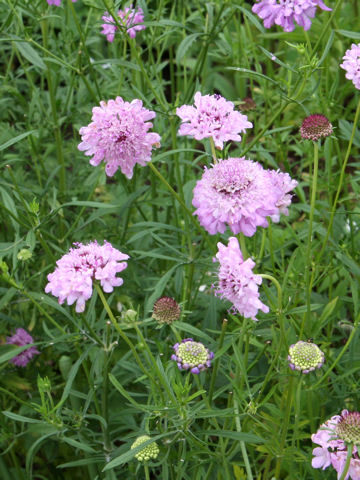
(348, 460)
(342, 174)
(213, 150)
(289, 400)
(242, 443)
(105, 392)
(306, 317)
(216, 362)
(243, 246)
(147, 473)
(324, 30)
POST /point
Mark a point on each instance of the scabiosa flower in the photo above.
(352, 64)
(237, 282)
(191, 355)
(240, 193)
(286, 12)
(332, 437)
(73, 277)
(21, 338)
(151, 451)
(166, 310)
(130, 18)
(213, 116)
(305, 357)
(118, 135)
(315, 127)
(57, 3)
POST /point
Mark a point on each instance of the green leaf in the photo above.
(79, 445)
(5, 357)
(349, 34)
(30, 54)
(33, 449)
(185, 327)
(84, 461)
(159, 287)
(185, 45)
(16, 139)
(20, 418)
(239, 436)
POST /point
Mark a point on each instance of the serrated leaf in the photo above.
(185, 45)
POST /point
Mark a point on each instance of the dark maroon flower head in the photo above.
(316, 126)
(166, 310)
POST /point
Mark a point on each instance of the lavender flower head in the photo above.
(118, 135)
(237, 282)
(305, 357)
(241, 193)
(130, 18)
(333, 437)
(21, 338)
(57, 3)
(191, 355)
(76, 271)
(352, 64)
(286, 12)
(213, 116)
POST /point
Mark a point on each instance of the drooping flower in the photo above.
(191, 355)
(315, 127)
(21, 338)
(76, 271)
(352, 64)
(131, 19)
(150, 451)
(305, 357)
(240, 193)
(57, 3)
(118, 135)
(286, 12)
(166, 310)
(212, 116)
(237, 282)
(333, 436)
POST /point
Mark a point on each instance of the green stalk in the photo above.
(105, 392)
(289, 400)
(242, 443)
(216, 362)
(147, 474)
(324, 30)
(348, 459)
(342, 174)
(306, 318)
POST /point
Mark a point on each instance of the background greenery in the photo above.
(93, 397)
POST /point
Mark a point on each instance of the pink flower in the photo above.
(240, 193)
(57, 3)
(130, 18)
(322, 458)
(21, 338)
(73, 277)
(212, 116)
(286, 12)
(352, 64)
(118, 135)
(237, 282)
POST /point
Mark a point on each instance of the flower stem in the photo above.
(216, 362)
(242, 443)
(289, 399)
(213, 150)
(147, 473)
(348, 460)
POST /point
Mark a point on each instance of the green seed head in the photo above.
(151, 451)
(305, 357)
(348, 427)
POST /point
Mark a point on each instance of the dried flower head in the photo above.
(118, 135)
(21, 338)
(237, 282)
(286, 12)
(212, 116)
(247, 105)
(191, 355)
(131, 19)
(315, 127)
(305, 357)
(352, 64)
(76, 271)
(166, 310)
(151, 451)
(332, 437)
(240, 193)
(348, 427)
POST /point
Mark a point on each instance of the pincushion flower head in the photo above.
(241, 193)
(212, 116)
(166, 310)
(315, 127)
(352, 64)
(57, 3)
(131, 19)
(118, 135)
(237, 282)
(150, 451)
(305, 357)
(21, 338)
(333, 437)
(286, 13)
(76, 271)
(191, 355)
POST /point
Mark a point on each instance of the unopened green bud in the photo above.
(151, 451)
